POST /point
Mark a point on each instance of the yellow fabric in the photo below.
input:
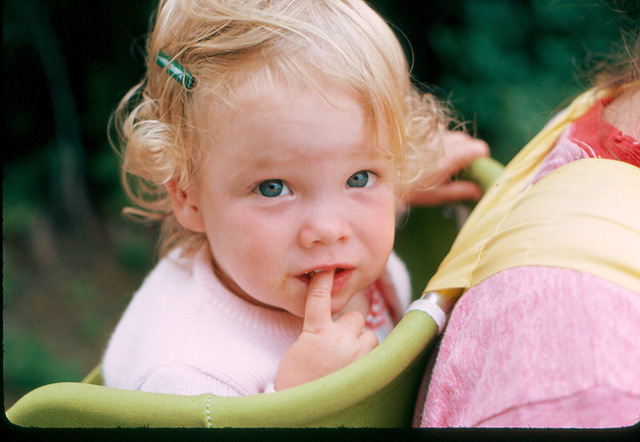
(584, 216)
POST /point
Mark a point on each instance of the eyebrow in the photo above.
(253, 164)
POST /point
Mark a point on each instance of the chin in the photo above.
(338, 305)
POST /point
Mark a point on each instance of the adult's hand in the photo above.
(435, 188)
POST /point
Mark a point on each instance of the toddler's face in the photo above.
(295, 184)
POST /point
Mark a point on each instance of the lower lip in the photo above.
(340, 279)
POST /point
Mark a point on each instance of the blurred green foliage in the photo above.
(511, 65)
(70, 266)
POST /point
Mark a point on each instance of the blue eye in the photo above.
(273, 188)
(362, 178)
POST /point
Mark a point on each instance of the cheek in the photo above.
(247, 250)
(381, 227)
(383, 237)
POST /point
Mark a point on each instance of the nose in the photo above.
(324, 227)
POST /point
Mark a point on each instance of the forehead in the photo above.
(265, 90)
(295, 108)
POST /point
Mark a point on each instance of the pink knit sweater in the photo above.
(185, 333)
(541, 346)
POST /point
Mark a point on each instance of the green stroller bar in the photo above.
(378, 390)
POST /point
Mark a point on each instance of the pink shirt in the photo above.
(185, 333)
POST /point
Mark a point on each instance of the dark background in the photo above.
(71, 261)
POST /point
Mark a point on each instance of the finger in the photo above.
(317, 313)
(462, 142)
(368, 341)
(352, 320)
(460, 151)
(453, 191)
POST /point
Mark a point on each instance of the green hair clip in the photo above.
(175, 69)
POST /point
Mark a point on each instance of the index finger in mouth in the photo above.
(317, 312)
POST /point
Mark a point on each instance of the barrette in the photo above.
(175, 69)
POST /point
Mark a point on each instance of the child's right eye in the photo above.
(273, 188)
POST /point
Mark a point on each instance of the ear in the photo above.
(186, 207)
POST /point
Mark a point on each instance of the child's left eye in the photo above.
(363, 178)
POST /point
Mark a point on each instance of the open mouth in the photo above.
(313, 272)
(306, 276)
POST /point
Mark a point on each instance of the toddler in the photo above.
(274, 141)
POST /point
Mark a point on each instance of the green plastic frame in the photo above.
(378, 390)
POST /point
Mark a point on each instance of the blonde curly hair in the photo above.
(224, 43)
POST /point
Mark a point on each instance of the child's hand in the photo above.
(460, 149)
(323, 346)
